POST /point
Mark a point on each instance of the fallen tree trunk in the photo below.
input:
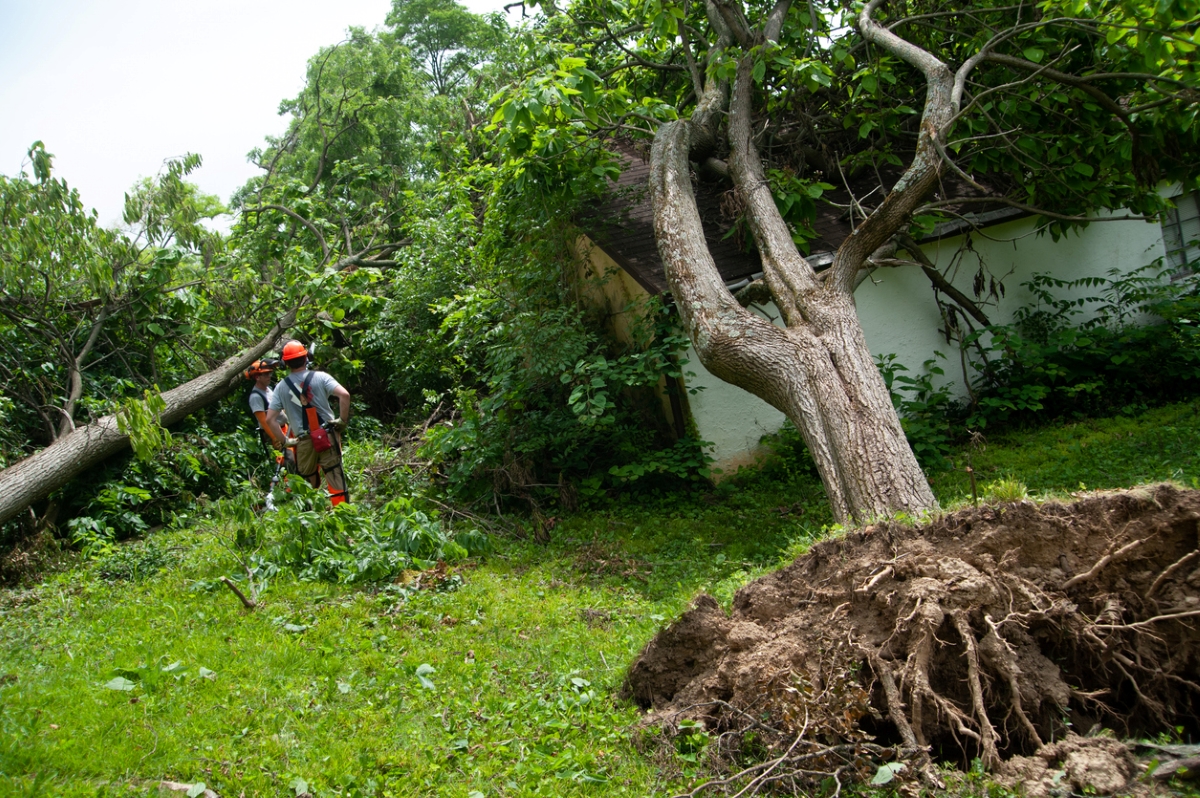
(40, 474)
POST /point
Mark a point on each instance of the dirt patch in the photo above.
(29, 557)
(990, 633)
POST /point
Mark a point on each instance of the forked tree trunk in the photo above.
(818, 370)
(40, 474)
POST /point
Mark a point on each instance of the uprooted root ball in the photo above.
(988, 634)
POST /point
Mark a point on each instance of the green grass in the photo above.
(1161, 444)
(318, 688)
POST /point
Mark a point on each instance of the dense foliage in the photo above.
(1085, 348)
(418, 210)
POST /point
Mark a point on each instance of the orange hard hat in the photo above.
(260, 367)
(293, 350)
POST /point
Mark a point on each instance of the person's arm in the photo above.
(343, 397)
(273, 427)
(261, 415)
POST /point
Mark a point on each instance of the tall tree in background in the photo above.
(446, 39)
(87, 313)
(1057, 109)
(92, 319)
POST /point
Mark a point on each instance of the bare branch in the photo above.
(940, 282)
(921, 174)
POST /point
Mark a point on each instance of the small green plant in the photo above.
(136, 561)
(1008, 489)
(928, 412)
(692, 740)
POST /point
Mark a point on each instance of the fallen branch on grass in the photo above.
(247, 603)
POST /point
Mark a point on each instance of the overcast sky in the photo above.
(114, 88)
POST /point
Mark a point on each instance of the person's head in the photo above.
(260, 372)
(294, 355)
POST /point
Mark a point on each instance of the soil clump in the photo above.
(993, 633)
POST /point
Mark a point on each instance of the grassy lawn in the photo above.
(502, 679)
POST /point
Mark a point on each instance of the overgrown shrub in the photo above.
(349, 544)
(928, 412)
(1087, 347)
(1133, 341)
(562, 411)
(128, 497)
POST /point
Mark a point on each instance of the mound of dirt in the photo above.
(991, 633)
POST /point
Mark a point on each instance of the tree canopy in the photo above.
(420, 212)
(918, 112)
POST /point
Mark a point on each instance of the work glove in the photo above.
(337, 425)
(290, 443)
(277, 445)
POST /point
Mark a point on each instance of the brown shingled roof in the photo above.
(622, 225)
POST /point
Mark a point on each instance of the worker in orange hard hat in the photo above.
(304, 399)
(259, 398)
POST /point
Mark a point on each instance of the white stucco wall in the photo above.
(899, 315)
(897, 308)
(733, 420)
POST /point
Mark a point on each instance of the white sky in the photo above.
(116, 88)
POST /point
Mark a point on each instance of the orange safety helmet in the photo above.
(260, 367)
(293, 350)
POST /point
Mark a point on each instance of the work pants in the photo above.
(329, 461)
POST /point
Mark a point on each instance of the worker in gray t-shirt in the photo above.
(259, 398)
(304, 396)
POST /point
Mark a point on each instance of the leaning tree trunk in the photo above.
(818, 370)
(40, 474)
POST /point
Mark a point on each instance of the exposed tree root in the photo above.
(984, 635)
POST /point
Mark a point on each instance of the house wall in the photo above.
(897, 307)
(900, 317)
(611, 290)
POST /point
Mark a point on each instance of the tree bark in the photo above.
(818, 370)
(38, 475)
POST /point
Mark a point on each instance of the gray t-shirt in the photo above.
(257, 402)
(322, 385)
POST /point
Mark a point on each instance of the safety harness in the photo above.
(264, 437)
(314, 429)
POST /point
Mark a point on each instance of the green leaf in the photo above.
(197, 789)
(1084, 169)
(423, 672)
(887, 772)
(1034, 54)
(299, 785)
(759, 71)
(120, 683)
